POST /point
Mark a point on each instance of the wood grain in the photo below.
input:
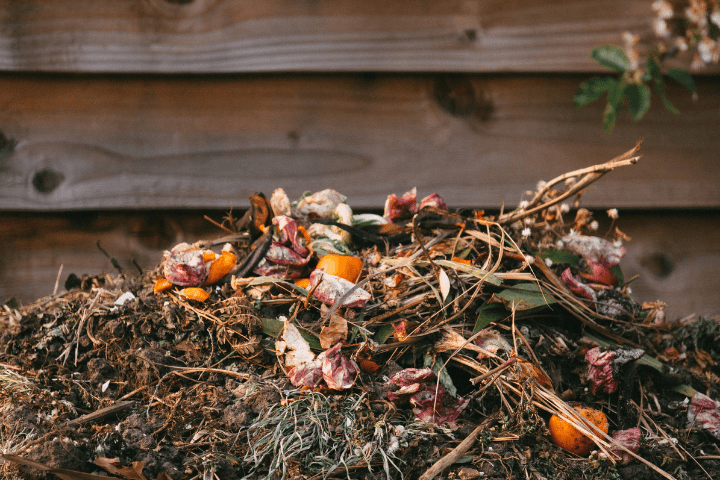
(203, 36)
(676, 254)
(112, 142)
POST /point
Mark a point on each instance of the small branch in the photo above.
(589, 175)
(102, 413)
(460, 450)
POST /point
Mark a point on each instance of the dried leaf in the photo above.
(444, 284)
(113, 465)
(335, 332)
(249, 347)
(298, 349)
(64, 474)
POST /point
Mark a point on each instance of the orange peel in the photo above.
(162, 284)
(566, 436)
(343, 266)
(195, 293)
(220, 267)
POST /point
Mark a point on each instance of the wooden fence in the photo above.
(115, 115)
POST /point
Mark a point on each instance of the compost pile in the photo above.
(310, 342)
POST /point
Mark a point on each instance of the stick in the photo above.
(57, 280)
(102, 413)
(589, 175)
(460, 450)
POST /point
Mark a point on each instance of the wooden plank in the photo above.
(204, 36)
(676, 254)
(208, 142)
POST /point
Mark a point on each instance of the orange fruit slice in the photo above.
(343, 266)
(302, 283)
(566, 436)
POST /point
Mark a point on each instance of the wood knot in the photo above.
(659, 264)
(47, 180)
(457, 95)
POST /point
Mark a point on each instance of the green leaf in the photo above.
(618, 274)
(616, 94)
(488, 314)
(609, 116)
(383, 333)
(593, 89)
(525, 296)
(272, 327)
(611, 57)
(683, 77)
(443, 375)
(638, 99)
(560, 256)
(656, 74)
(666, 101)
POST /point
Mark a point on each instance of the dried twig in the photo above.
(460, 450)
(588, 176)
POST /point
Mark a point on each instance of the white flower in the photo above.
(594, 225)
(629, 39)
(522, 204)
(613, 213)
(540, 185)
(564, 207)
(548, 262)
(526, 232)
(560, 244)
(663, 8)
(529, 259)
(708, 50)
(715, 18)
(661, 28)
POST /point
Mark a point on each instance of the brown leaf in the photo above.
(112, 465)
(333, 333)
(60, 472)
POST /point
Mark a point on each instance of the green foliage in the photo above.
(630, 88)
(611, 57)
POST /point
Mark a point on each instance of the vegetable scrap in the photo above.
(323, 343)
